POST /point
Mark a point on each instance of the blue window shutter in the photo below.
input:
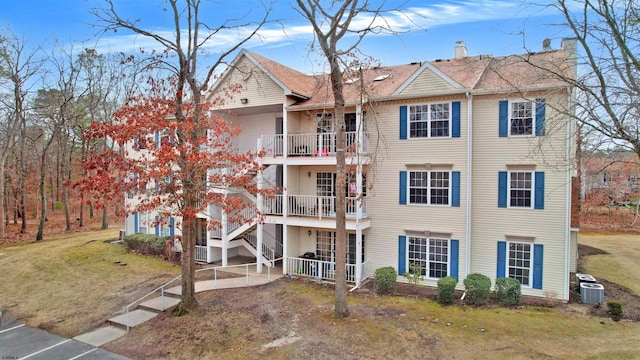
(135, 143)
(455, 119)
(454, 256)
(455, 188)
(402, 254)
(157, 227)
(403, 122)
(502, 259)
(136, 218)
(502, 189)
(539, 191)
(538, 256)
(403, 187)
(540, 116)
(157, 135)
(504, 119)
(172, 227)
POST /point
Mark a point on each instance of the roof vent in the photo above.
(546, 44)
(382, 77)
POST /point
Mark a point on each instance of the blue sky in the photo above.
(498, 27)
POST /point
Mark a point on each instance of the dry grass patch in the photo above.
(238, 323)
(70, 284)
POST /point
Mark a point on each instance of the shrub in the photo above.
(147, 244)
(386, 280)
(414, 275)
(478, 288)
(615, 310)
(508, 291)
(446, 289)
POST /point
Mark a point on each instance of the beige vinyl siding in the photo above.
(389, 219)
(427, 83)
(490, 224)
(256, 86)
(252, 126)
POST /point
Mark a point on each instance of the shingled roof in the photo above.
(470, 73)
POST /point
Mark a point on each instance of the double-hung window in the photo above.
(521, 119)
(433, 120)
(429, 187)
(521, 189)
(430, 256)
(519, 262)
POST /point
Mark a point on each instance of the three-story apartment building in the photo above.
(456, 166)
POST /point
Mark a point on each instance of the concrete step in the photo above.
(101, 336)
(156, 305)
(136, 317)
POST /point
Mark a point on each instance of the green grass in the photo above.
(70, 284)
(622, 263)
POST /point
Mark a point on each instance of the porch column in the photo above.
(224, 232)
(285, 183)
(359, 140)
(259, 206)
(209, 235)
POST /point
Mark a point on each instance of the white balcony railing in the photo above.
(201, 253)
(319, 269)
(323, 206)
(314, 144)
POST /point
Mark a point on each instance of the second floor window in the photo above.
(431, 120)
(429, 187)
(520, 189)
(521, 119)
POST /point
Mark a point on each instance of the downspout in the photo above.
(285, 183)
(469, 187)
(567, 237)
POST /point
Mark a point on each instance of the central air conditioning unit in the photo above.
(591, 293)
(583, 278)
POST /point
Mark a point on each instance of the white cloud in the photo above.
(414, 18)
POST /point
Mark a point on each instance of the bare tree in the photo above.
(606, 69)
(186, 45)
(338, 38)
(18, 66)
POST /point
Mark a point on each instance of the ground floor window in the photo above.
(430, 256)
(519, 262)
(326, 246)
(143, 223)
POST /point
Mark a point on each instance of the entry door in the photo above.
(326, 134)
(326, 190)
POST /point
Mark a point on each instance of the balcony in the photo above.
(313, 206)
(315, 144)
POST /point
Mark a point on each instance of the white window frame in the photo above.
(165, 228)
(429, 114)
(428, 254)
(429, 188)
(143, 223)
(530, 268)
(533, 117)
(532, 189)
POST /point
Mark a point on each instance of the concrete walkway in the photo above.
(119, 325)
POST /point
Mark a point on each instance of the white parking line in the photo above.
(45, 349)
(13, 328)
(83, 354)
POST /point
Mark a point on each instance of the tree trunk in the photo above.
(105, 213)
(189, 232)
(43, 200)
(341, 306)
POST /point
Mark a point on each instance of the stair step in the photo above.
(101, 336)
(156, 305)
(136, 317)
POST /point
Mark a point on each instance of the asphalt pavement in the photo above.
(18, 341)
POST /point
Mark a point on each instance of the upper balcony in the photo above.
(314, 148)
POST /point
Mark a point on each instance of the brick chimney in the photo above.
(460, 50)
